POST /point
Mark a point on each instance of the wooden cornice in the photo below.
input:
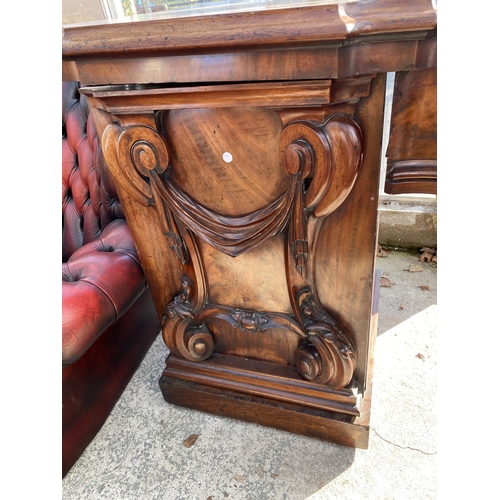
(288, 27)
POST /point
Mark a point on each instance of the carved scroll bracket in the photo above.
(193, 341)
(326, 355)
(140, 154)
(191, 329)
(329, 157)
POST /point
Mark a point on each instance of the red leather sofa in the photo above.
(108, 318)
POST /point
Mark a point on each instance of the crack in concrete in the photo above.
(403, 447)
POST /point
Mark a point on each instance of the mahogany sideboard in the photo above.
(246, 150)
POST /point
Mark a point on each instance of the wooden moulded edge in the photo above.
(120, 99)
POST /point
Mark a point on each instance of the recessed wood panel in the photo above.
(243, 281)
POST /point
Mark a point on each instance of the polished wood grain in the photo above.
(412, 149)
(199, 139)
(267, 65)
(347, 273)
(246, 152)
(238, 222)
(388, 56)
(299, 419)
(204, 33)
(148, 98)
(315, 42)
(267, 202)
(266, 28)
(373, 18)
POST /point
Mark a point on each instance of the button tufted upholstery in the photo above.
(106, 276)
(89, 198)
(109, 320)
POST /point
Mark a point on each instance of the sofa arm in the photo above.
(100, 281)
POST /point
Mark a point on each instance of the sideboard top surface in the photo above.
(290, 25)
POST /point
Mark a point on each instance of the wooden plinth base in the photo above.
(229, 387)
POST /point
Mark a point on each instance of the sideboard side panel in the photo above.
(348, 239)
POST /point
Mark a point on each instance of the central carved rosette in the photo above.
(321, 163)
(249, 321)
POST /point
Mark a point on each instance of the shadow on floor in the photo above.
(139, 453)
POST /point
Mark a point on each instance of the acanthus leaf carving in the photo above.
(249, 321)
(181, 306)
(328, 354)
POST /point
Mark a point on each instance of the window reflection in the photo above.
(127, 8)
(84, 11)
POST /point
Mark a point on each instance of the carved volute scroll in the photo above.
(330, 157)
(321, 162)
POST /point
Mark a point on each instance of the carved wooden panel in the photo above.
(246, 200)
(229, 194)
(246, 153)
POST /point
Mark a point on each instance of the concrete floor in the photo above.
(139, 453)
